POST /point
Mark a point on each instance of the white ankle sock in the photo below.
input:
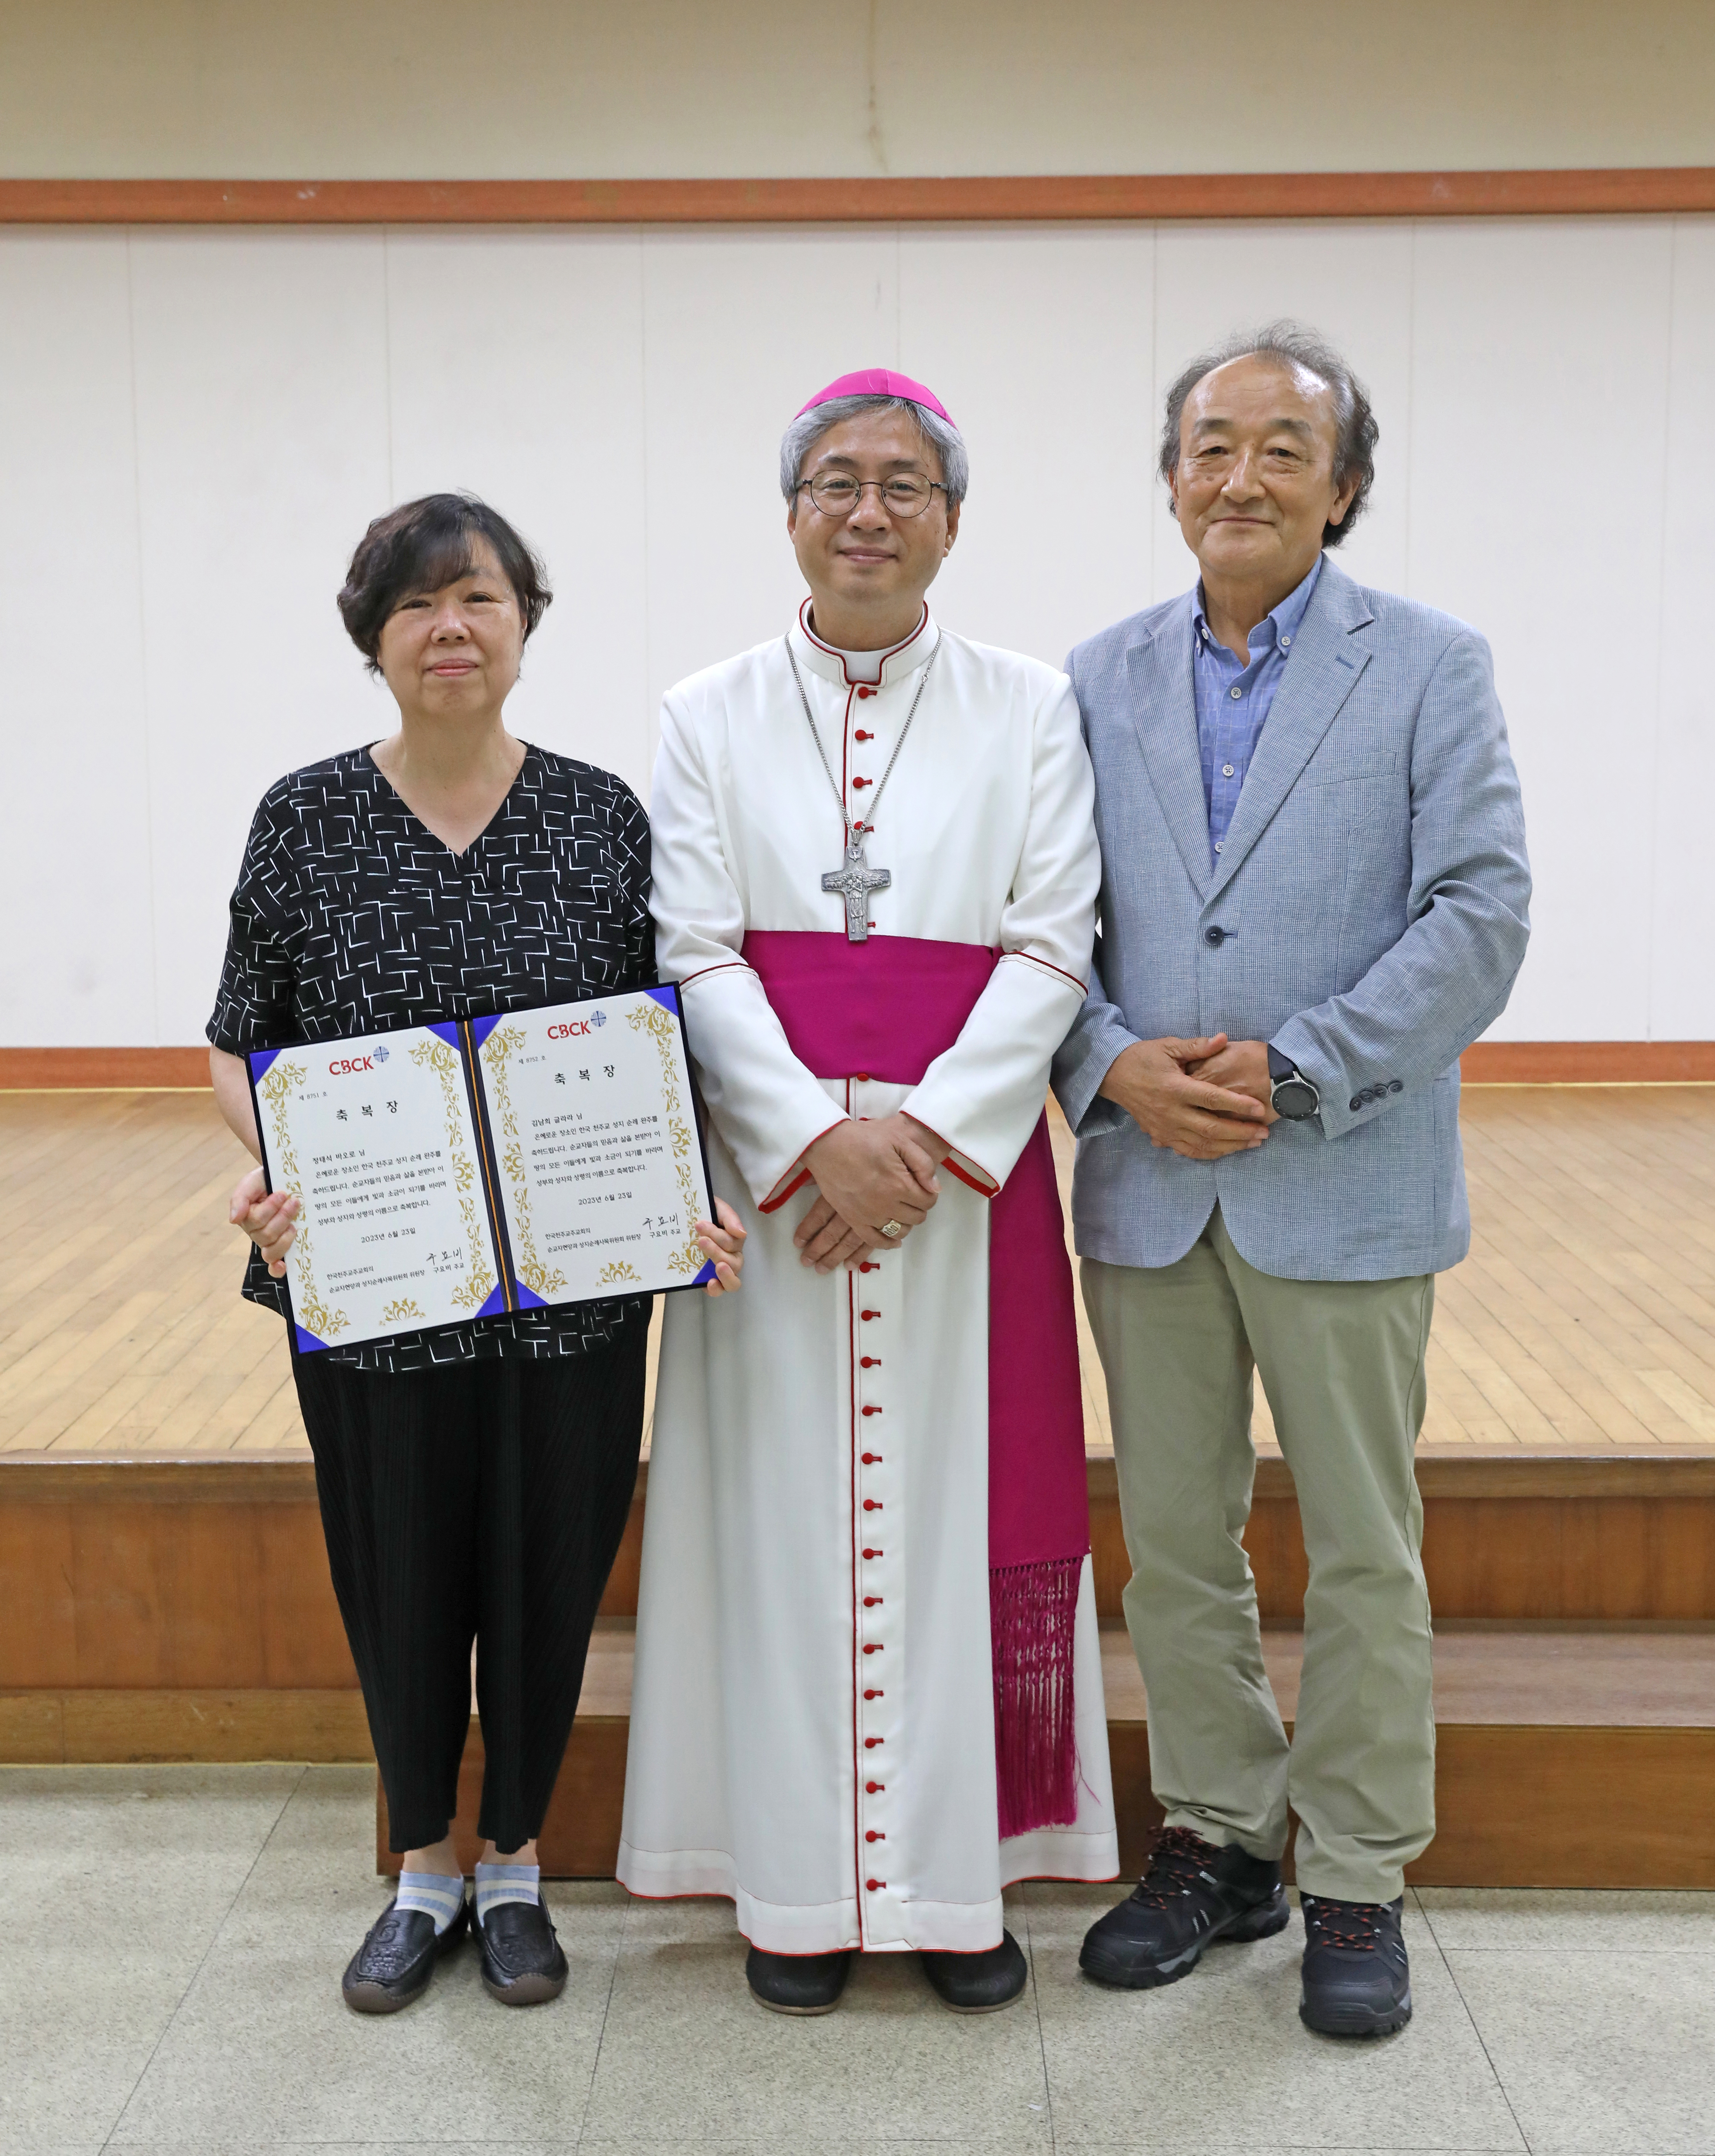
(505, 1882)
(434, 1892)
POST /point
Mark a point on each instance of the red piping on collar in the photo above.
(811, 637)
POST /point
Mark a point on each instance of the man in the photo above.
(1313, 863)
(869, 1688)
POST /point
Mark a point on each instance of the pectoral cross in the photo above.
(854, 882)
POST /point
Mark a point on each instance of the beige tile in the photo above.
(688, 2055)
(130, 1872)
(1602, 2055)
(1611, 1921)
(1221, 2061)
(796, 2146)
(263, 2050)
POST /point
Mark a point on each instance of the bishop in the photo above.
(868, 1690)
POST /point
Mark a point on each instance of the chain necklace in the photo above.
(855, 880)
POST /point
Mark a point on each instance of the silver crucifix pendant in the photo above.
(854, 882)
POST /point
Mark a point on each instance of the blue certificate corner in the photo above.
(445, 1031)
(481, 1028)
(527, 1301)
(495, 1306)
(260, 1059)
(308, 1344)
(708, 1273)
(669, 996)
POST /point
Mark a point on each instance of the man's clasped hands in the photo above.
(1202, 1099)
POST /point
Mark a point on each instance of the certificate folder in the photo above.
(526, 1161)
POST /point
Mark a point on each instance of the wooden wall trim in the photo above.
(103, 1070)
(1589, 1063)
(1489, 1063)
(1607, 192)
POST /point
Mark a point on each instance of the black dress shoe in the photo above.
(798, 1983)
(979, 1983)
(395, 1961)
(1192, 1895)
(522, 1961)
(1357, 1976)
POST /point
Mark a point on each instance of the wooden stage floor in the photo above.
(1583, 1321)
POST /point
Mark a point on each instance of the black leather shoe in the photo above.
(1192, 1895)
(522, 1961)
(395, 1961)
(798, 1983)
(979, 1983)
(1357, 1976)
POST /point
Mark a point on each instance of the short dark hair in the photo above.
(1292, 345)
(423, 545)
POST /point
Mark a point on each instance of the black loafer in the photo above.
(395, 1961)
(522, 1961)
(979, 1983)
(1357, 1975)
(797, 1983)
(1192, 1895)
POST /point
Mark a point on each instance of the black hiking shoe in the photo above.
(1357, 1978)
(1192, 1895)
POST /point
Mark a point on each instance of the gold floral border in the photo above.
(496, 1051)
(477, 1284)
(275, 1088)
(650, 1017)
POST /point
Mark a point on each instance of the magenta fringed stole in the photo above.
(887, 1008)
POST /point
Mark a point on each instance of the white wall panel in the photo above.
(1681, 929)
(262, 450)
(1037, 341)
(516, 367)
(77, 955)
(1538, 419)
(739, 329)
(1543, 388)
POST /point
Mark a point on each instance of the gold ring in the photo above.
(891, 1229)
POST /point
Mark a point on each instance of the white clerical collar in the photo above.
(845, 669)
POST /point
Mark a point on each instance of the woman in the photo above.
(474, 1483)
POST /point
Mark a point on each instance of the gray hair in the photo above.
(1292, 345)
(808, 428)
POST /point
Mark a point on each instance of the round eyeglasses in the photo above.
(837, 493)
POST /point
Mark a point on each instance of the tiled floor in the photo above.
(169, 1981)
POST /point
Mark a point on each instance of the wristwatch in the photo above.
(1292, 1095)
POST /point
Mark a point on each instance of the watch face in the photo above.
(1296, 1100)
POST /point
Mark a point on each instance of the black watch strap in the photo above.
(1292, 1094)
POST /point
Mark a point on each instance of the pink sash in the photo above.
(887, 1009)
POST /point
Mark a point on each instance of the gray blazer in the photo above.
(1369, 917)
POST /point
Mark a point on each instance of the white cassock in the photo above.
(812, 1728)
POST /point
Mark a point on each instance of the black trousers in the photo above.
(483, 1501)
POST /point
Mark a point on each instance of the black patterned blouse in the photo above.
(350, 916)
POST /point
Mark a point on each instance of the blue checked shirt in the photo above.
(1233, 701)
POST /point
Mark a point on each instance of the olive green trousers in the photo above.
(1342, 1363)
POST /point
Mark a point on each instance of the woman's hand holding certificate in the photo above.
(461, 1169)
